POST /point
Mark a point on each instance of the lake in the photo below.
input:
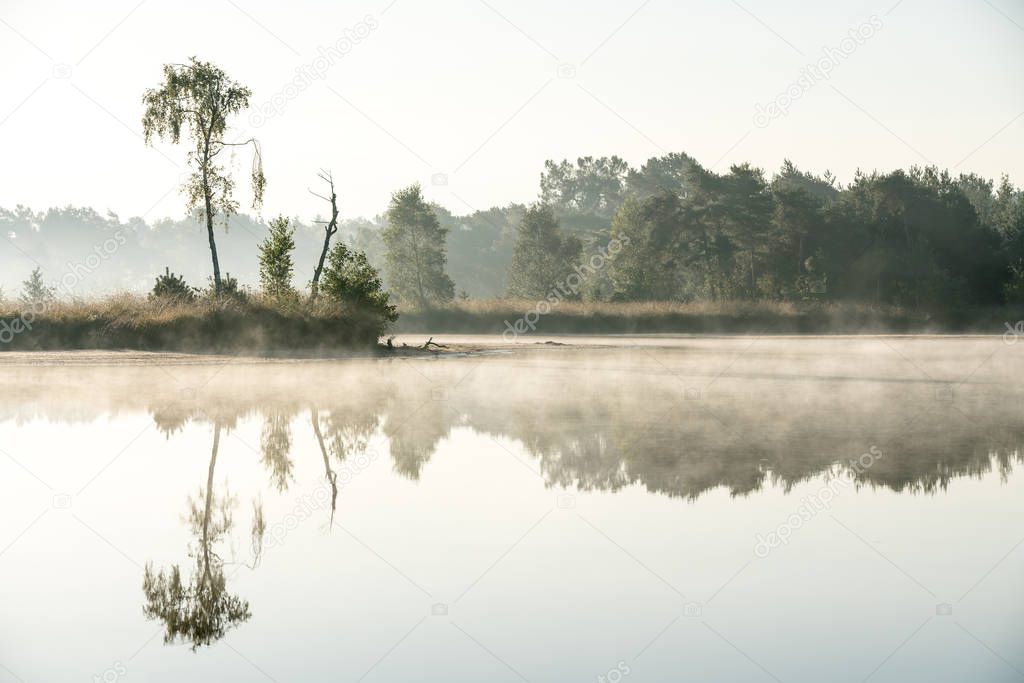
(615, 509)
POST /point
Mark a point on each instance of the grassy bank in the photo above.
(228, 326)
(737, 317)
(261, 326)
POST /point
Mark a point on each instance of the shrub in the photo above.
(230, 290)
(34, 289)
(172, 287)
(351, 280)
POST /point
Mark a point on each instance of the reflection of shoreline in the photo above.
(603, 421)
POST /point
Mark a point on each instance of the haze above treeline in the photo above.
(920, 236)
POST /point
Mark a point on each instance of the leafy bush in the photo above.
(351, 280)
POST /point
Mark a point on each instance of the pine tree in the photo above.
(35, 290)
(276, 266)
(172, 287)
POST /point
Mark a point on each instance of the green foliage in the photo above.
(349, 279)
(645, 267)
(1014, 288)
(670, 173)
(34, 290)
(916, 238)
(200, 97)
(479, 248)
(543, 257)
(230, 290)
(919, 238)
(172, 287)
(276, 265)
(590, 186)
(416, 250)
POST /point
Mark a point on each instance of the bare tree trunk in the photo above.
(329, 230)
(209, 216)
(213, 250)
(314, 287)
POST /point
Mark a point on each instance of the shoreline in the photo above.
(451, 347)
(525, 319)
(259, 330)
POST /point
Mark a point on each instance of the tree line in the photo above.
(920, 238)
(917, 238)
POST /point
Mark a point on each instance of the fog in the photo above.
(679, 416)
(636, 499)
(479, 340)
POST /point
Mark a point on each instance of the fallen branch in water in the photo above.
(430, 342)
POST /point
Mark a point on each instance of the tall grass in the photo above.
(496, 316)
(127, 321)
(259, 325)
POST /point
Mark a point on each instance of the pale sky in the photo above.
(484, 92)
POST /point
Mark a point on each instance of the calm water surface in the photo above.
(646, 509)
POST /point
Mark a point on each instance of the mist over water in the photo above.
(627, 342)
(651, 504)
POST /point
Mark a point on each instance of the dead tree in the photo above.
(430, 342)
(330, 228)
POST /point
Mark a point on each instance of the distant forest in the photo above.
(920, 238)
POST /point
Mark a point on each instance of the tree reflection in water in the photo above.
(604, 422)
(202, 610)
